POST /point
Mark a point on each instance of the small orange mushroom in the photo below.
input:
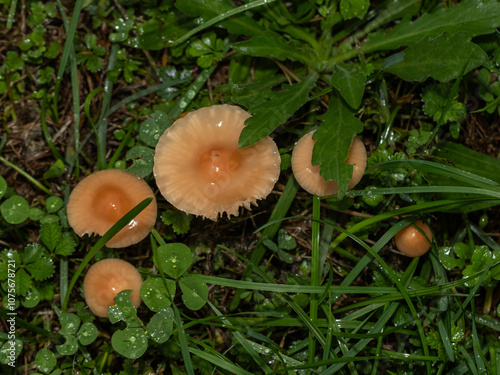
(200, 169)
(411, 242)
(308, 176)
(105, 279)
(99, 200)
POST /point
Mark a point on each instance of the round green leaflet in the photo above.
(3, 186)
(174, 259)
(31, 298)
(45, 360)
(36, 214)
(53, 204)
(5, 351)
(70, 347)
(194, 292)
(15, 209)
(87, 333)
(69, 324)
(131, 342)
(155, 295)
(161, 325)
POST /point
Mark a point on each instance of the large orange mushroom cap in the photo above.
(200, 169)
(99, 200)
(105, 279)
(308, 176)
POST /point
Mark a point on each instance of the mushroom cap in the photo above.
(307, 175)
(105, 279)
(200, 169)
(99, 200)
(411, 242)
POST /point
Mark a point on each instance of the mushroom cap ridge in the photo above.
(308, 175)
(99, 200)
(105, 279)
(200, 169)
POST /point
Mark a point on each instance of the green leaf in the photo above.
(155, 295)
(435, 98)
(3, 186)
(50, 234)
(23, 282)
(333, 140)
(36, 214)
(179, 220)
(32, 252)
(143, 159)
(270, 114)
(350, 81)
(66, 245)
(442, 58)
(87, 333)
(124, 310)
(481, 256)
(152, 128)
(31, 298)
(469, 160)
(161, 325)
(174, 259)
(41, 269)
(447, 260)
(254, 93)
(45, 360)
(194, 292)
(285, 241)
(15, 209)
(69, 347)
(6, 351)
(354, 8)
(55, 170)
(473, 17)
(207, 9)
(273, 45)
(69, 324)
(130, 343)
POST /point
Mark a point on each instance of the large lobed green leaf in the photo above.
(270, 114)
(474, 17)
(443, 58)
(273, 45)
(333, 140)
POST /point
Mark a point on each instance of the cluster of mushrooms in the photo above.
(200, 170)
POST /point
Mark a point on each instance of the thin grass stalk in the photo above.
(102, 123)
(220, 18)
(68, 45)
(313, 309)
(26, 175)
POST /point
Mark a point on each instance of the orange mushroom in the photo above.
(307, 175)
(105, 279)
(102, 198)
(200, 169)
(411, 242)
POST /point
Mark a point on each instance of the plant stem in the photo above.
(26, 175)
(313, 311)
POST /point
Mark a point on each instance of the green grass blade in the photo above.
(250, 350)
(219, 362)
(220, 18)
(183, 341)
